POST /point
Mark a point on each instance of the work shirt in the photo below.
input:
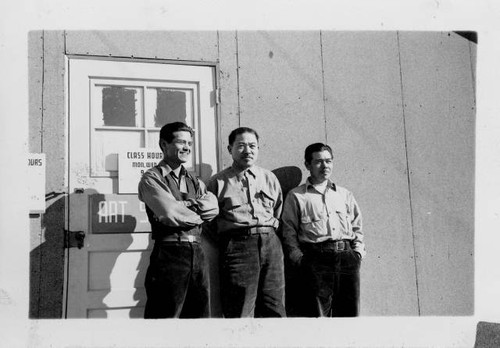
(313, 216)
(246, 198)
(157, 195)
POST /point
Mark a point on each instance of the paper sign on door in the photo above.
(132, 164)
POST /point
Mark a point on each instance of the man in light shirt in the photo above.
(323, 238)
(250, 202)
(177, 204)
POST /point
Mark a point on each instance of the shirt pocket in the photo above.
(344, 221)
(266, 199)
(233, 202)
(313, 223)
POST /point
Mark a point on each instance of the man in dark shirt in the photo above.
(177, 203)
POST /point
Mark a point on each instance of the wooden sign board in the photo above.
(112, 213)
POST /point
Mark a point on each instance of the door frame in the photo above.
(67, 174)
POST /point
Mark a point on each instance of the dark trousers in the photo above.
(177, 282)
(330, 281)
(252, 276)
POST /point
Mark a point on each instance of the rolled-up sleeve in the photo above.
(206, 204)
(290, 221)
(164, 205)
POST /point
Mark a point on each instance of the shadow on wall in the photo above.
(110, 262)
(206, 172)
(289, 178)
(140, 291)
(47, 264)
(101, 264)
(47, 259)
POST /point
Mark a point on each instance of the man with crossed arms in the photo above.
(177, 204)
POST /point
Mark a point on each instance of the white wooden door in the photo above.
(116, 106)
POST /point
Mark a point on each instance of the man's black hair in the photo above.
(316, 147)
(241, 130)
(168, 130)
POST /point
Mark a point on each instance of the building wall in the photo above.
(438, 93)
(47, 135)
(365, 126)
(397, 107)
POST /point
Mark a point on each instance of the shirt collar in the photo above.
(252, 170)
(166, 169)
(330, 184)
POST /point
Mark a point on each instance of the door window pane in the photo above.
(118, 106)
(130, 113)
(106, 146)
(170, 105)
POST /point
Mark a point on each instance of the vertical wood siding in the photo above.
(48, 135)
(281, 93)
(440, 119)
(365, 127)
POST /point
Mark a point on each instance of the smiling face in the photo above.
(178, 151)
(244, 150)
(320, 166)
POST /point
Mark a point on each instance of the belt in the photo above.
(335, 245)
(179, 238)
(249, 231)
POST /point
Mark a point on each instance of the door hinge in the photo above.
(217, 96)
(74, 239)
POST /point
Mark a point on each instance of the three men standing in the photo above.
(322, 234)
